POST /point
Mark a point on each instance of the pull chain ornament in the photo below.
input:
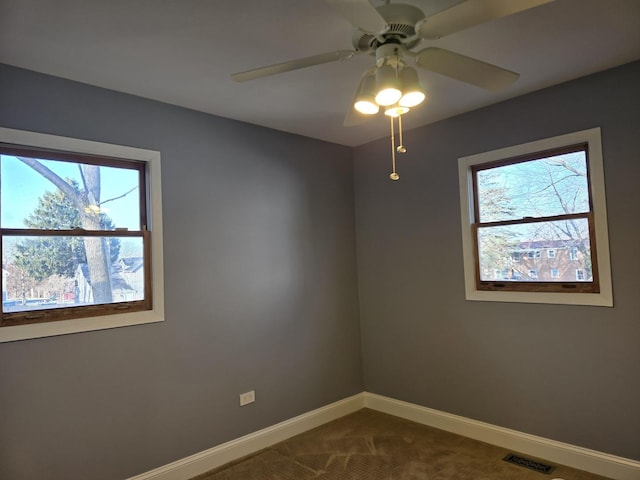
(400, 148)
(394, 175)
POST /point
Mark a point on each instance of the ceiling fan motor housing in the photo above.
(401, 21)
(389, 54)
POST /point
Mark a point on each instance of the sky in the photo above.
(20, 188)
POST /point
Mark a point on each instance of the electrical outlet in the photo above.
(247, 398)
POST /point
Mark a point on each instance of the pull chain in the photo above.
(394, 175)
(401, 148)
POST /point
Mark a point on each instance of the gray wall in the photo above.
(260, 293)
(261, 289)
(568, 373)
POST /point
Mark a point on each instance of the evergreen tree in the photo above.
(43, 257)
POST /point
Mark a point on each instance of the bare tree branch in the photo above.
(120, 196)
(58, 181)
(565, 164)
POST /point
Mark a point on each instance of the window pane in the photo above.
(551, 186)
(109, 197)
(512, 253)
(63, 271)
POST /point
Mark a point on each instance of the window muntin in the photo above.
(74, 236)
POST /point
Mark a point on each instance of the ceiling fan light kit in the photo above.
(391, 32)
(412, 92)
(365, 101)
(389, 88)
(394, 86)
(396, 110)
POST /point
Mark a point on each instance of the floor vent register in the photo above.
(528, 463)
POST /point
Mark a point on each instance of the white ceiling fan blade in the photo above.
(361, 14)
(292, 65)
(465, 69)
(470, 13)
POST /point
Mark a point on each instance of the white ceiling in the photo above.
(183, 51)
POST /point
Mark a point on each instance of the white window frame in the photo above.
(154, 203)
(596, 170)
(551, 253)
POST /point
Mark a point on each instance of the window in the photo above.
(526, 201)
(77, 241)
(545, 195)
(580, 275)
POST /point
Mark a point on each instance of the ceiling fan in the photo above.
(392, 31)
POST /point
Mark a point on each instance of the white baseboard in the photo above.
(227, 452)
(592, 461)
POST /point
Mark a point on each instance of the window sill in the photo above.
(591, 299)
(49, 329)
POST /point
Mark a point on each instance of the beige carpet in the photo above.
(369, 445)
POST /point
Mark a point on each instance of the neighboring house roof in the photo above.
(119, 283)
(117, 280)
(128, 264)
